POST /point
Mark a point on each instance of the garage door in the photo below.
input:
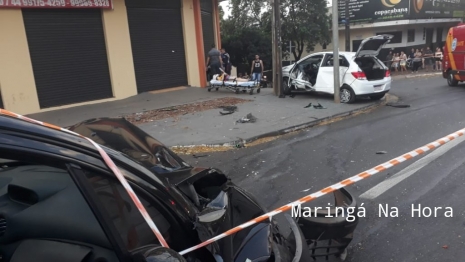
(68, 54)
(157, 44)
(207, 24)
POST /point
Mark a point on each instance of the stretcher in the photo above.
(234, 86)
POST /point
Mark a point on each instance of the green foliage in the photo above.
(306, 23)
(247, 31)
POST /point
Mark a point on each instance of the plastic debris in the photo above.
(249, 118)
(381, 152)
(319, 106)
(227, 110)
(309, 105)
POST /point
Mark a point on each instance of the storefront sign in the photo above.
(422, 9)
(105, 4)
(375, 10)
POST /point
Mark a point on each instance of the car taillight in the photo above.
(359, 75)
(388, 73)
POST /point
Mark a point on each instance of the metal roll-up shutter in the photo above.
(157, 44)
(68, 55)
(206, 8)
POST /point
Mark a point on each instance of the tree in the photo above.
(247, 32)
(305, 23)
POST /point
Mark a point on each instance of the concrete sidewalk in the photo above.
(274, 115)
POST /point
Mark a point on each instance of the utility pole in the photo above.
(273, 47)
(335, 26)
(347, 23)
(276, 49)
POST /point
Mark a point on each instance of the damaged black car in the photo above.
(59, 201)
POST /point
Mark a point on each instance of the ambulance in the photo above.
(453, 63)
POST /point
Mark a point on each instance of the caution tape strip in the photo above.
(332, 188)
(109, 163)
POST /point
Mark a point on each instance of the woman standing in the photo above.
(403, 62)
(438, 56)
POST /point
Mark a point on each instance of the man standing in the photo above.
(226, 61)
(257, 69)
(388, 61)
(214, 61)
(428, 56)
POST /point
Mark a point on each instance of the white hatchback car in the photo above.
(361, 73)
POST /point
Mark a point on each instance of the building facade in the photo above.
(413, 23)
(91, 51)
(407, 34)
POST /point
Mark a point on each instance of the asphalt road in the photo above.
(298, 164)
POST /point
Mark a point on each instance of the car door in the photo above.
(325, 79)
(297, 75)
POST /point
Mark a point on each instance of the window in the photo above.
(315, 59)
(329, 61)
(411, 35)
(131, 226)
(44, 207)
(397, 36)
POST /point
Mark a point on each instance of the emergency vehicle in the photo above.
(453, 63)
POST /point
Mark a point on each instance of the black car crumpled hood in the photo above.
(120, 135)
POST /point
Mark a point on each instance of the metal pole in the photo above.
(347, 23)
(279, 56)
(335, 29)
(273, 48)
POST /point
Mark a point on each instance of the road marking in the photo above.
(384, 186)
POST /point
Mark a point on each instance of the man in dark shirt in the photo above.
(257, 69)
(214, 61)
(428, 58)
(388, 61)
(226, 61)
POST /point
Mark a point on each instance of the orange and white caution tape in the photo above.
(344, 183)
(109, 163)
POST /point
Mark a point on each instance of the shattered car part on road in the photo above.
(249, 118)
(54, 180)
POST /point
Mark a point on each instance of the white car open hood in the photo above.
(372, 45)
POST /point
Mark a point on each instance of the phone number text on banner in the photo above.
(105, 4)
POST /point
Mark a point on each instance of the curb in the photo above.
(408, 76)
(243, 142)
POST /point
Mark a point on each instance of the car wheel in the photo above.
(287, 89)
(376, 97)
(451, 80)
(347, 95)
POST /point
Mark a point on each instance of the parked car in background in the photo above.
(59, 201)
(361, 73)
